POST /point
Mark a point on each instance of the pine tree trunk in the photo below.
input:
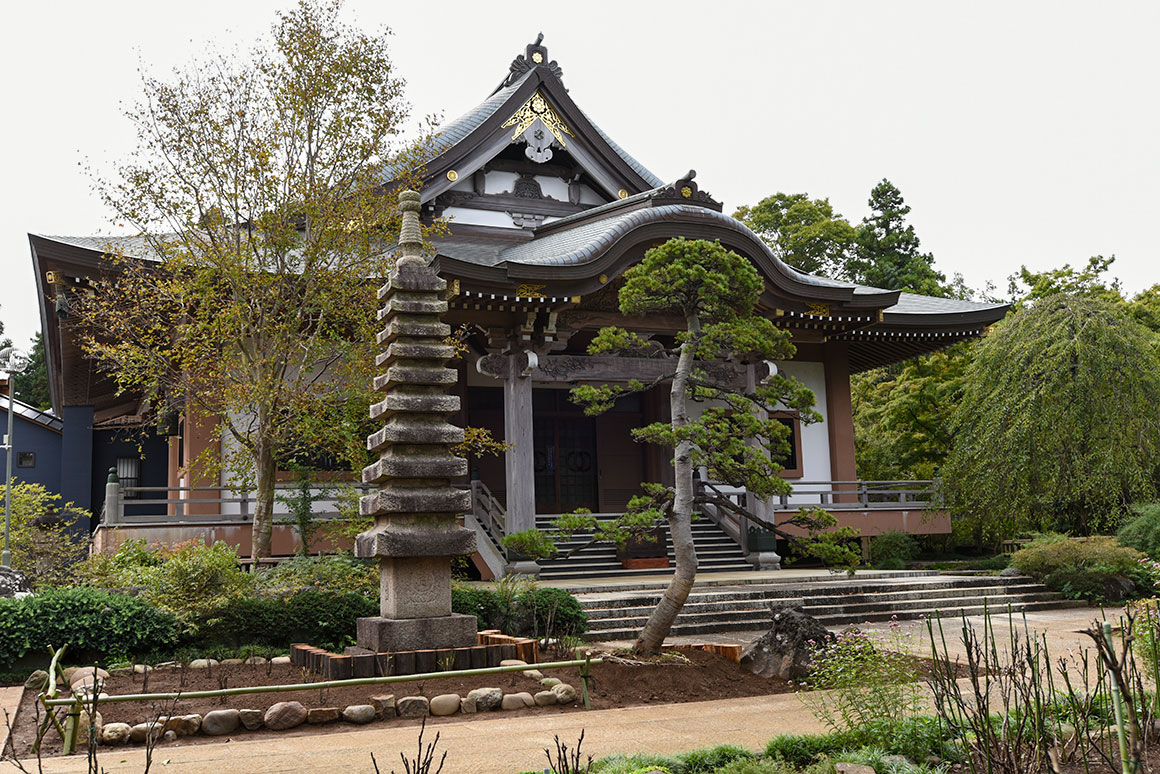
(266, 475)
(652, 636)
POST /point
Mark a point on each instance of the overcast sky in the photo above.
(1019, 132)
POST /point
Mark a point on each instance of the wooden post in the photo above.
(519, 462)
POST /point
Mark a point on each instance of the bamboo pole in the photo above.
(242, 691)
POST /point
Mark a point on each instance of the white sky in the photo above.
(1019, 132)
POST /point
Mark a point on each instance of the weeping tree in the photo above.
(1058, 427)
(256, 191)
(734, 436)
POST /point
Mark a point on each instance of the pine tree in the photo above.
(887, 253)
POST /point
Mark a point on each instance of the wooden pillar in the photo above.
(199, 441)
(840, 416)
(517, 430)
(173, 479)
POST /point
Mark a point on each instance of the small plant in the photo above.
(446, 664)
(568, 761)
(300, 504)
(424, 759)
(892, 550)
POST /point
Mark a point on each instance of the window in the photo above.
(129, 473)
(26, 459)
(792, 462)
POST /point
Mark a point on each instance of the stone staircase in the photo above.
(716, 552)
(619, 614)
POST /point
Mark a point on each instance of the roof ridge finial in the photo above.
(535, 55)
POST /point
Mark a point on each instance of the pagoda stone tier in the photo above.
(416, 510)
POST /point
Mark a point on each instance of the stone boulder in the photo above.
(1010, 572)
(565, 694)
(139, 732)
(445, 704)
(284, 715)
(784, 651)
(413, 706)
(280, 660)
(95, 726)
(545, 699)
(220, 722)
(359, 714)
(515, 701)
(115, 733)
(37, 681)
(486, 699)
(203, 663)
(319, 715)
(384, 705)
(182, 725)
(251, 719)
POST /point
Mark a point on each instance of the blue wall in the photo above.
(41, 441)
(143, 443)
(76, 459)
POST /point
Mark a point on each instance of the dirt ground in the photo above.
(696, 676)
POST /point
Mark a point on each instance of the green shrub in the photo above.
(335, 573)
(43, 538)
(755, 766)
(531, 543)
(710, 759)
(803, 749)
(639, 762)
(1094, 568)
(892, 550)
(523, 610)
(95, 624)
(1142, 530)
(323, 618)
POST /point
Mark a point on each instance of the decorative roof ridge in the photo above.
(686, 191)
(535, 55)
(596, 213)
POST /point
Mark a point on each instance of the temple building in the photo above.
(546, 213)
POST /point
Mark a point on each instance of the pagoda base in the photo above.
(388, 635)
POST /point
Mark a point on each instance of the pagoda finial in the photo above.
(410, 236)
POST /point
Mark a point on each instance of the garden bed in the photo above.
(692, 676)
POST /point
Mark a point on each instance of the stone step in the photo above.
(614, 568)
(755, 624)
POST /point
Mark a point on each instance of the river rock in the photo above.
(534, 674)
(220, 722)
(37, 680)
(251, 719)
(514, 701)
(138, 732)
(853, 768)
(232, 662)
(545, 699)
(565, 694)
(445, 704)
(115, 733)
(140, 669)
(280, 660)
(182, 725)
(319, 715)
(785, 650)
(486, 699)
(283, 715)
(413, 706)
(86, 727)
(359, 714)
(549, 682)
(467, 705)
(256, 660)
(169, 736)
(87, 676)
(203, 663)
(513, 662)
(384, 705)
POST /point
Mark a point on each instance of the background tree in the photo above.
(888, 254)
(804, 233)
(256, 185)
(33, 385)
(715, 292)
(1057, 427)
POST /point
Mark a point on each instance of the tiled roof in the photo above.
(32, 413)
(130, 246)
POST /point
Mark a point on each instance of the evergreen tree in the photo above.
(804, 233)
(33, 385)
(887, 253)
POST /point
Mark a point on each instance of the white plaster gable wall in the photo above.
(478, 217)
(815, 437)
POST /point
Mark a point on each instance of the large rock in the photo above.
(182, 725)
(515, 701)
(384, 705)
(545, 699)
(283, 715)
(565, 694)
(319, 715)
(413, 706)
(251, 719)
(138, 732)
(280, 660)
(37, 681)
(445, 704)
(220, 722)
(785, 650)
(115, 733)
(95, 727)
(486, 699)
(203, 663)
(359, 714)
